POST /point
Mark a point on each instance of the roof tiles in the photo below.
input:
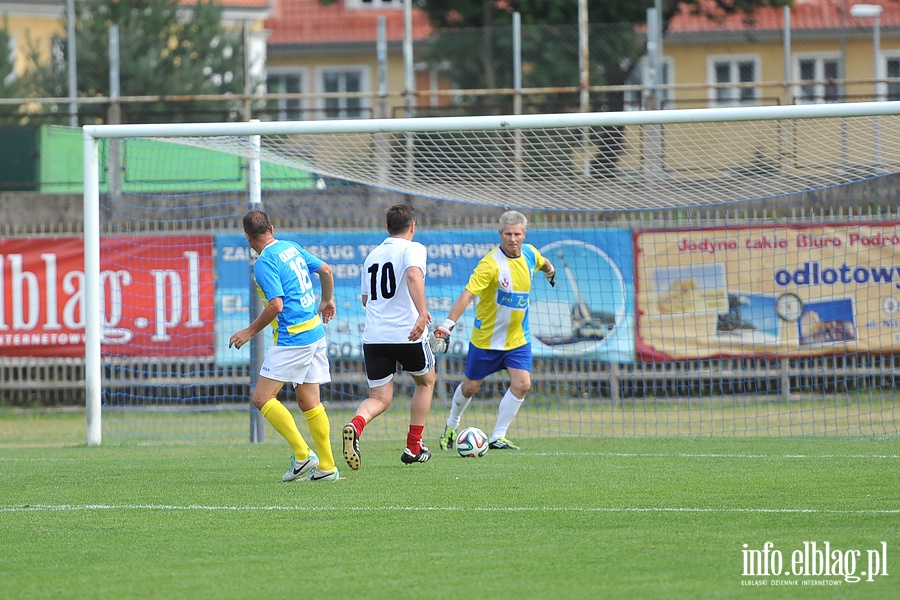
(805, 14)
(301, 22)
(235, 3)
(297, 22)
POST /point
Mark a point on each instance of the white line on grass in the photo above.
(708, 455)
(600, 454)
(598, 509)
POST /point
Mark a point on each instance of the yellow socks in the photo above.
(320, 428)
(283, 422)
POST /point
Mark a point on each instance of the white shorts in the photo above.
(298, 364)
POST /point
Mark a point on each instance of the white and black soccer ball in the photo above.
(471, 443)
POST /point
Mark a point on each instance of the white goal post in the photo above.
(560, 171)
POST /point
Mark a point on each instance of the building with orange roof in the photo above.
(741, 59)
(323, 61)
(710, 59)
(295, 46)
(315, 49)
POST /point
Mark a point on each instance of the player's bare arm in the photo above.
(327, 307)
(415, 281)
(460, 305)
(272, 310)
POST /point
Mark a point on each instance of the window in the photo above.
(891, 90)
(818, 76)
(286, 109)
(343, 80)
(638, 76)
(374, 3)
(724, 70)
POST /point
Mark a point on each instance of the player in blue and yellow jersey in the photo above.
(501, 339)
(284, 280)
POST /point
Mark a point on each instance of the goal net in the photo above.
(720, 272)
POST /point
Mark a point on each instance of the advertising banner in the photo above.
(785, 290)
(590, 312)
(154, 295)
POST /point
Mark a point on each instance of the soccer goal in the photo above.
(720, 272)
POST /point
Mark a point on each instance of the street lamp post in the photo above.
(873, 11)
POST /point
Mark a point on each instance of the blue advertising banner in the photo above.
(589, 314)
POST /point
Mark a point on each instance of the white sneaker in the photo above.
(322, 475)
(301, 467)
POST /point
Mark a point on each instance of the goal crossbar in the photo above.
(536, 121)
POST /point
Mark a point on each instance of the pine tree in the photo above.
(164, 50)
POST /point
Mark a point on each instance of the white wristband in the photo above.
(449, 324)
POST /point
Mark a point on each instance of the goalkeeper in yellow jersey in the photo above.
(501, 339)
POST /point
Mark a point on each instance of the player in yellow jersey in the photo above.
(501, 339)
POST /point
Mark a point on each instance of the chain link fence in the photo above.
(472, 71)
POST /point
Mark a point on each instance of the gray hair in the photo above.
(513, 217)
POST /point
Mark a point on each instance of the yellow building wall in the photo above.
(795, 147)
(32, 33)
(691, 64)
(37, 33)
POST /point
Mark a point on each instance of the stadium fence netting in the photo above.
(727, 272)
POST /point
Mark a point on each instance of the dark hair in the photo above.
(256, 223)
(400, 218)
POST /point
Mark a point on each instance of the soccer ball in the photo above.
(471, 443)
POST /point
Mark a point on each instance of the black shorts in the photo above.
(383, 360)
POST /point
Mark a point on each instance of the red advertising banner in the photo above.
(156, 293)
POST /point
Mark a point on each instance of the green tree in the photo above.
(612, 56)
(163, 51)
(481, 13)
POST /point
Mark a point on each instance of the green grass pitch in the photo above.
(590, 517)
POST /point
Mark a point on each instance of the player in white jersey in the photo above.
(393, 293)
